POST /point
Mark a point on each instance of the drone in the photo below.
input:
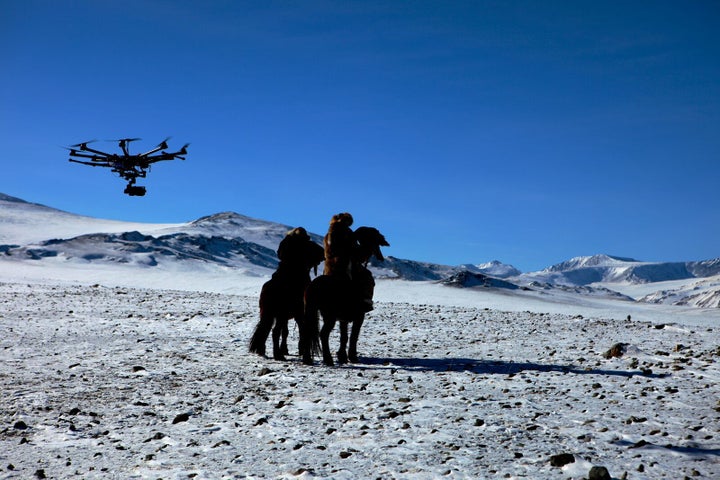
(129, 166)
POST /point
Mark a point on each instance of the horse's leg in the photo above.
(354, 335)
(277, 332)
(328, 325)
(262, 331)
(283, 339)
(310, 337)
(342, 351)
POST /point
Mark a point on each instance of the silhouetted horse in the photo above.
(281, 297)
(336, 298)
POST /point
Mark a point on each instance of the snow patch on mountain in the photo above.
(591, 261)
(23, 222)
(471, 280)
(233, 225)
(606, 268)
(494, 268)
(702, 294)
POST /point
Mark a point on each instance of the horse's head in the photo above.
(369, 241)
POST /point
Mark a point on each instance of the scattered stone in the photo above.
(157, 436)
(138, 368)
(20, 425)
(616, 351)
(183, 417)
(599, 473)
(264, 371)
(345, 454)
(40, 473)
(635, 419)
(562, 459)
(640, 444)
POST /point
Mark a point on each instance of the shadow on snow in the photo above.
(493, 367)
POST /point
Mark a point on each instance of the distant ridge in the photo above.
(611, 269)
(227, 240)
(601, 260)
(8, 198)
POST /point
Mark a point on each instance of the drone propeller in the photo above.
(80, 145)
(126, 140)
(163, 145)
(183, 150)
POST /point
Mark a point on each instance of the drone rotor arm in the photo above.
(92, 164)
(92, 150)
(95, 157)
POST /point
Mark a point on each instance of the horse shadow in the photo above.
(694, 449)
(492, 367)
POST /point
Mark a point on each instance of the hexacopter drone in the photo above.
(128, 166)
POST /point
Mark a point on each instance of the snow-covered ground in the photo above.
(120, 382)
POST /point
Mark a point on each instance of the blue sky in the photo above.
(524, 131)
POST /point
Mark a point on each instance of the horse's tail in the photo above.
(264, 326)
(311, 319)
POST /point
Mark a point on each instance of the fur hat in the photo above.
(299, 231)
(343, 218)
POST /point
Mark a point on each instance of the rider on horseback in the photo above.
(346, 260)
(281, 297)
(295, 261)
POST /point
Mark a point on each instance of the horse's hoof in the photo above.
(329, 362)
(353, 359)
(342, 357)
(280, 358)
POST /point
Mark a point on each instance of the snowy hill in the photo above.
(37, 241)
(609, 269)
(704, 293)
(472, 280)
(23, 222)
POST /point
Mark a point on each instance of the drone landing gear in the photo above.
(135, 191)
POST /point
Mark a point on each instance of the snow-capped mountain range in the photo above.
(33, 235)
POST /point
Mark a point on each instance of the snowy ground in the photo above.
(120, 382)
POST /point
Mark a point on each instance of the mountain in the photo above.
(34, 235)
(225, 240)
(134, 248)
(580, 271)
(495, 269)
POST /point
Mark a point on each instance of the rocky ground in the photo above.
(135, 383)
